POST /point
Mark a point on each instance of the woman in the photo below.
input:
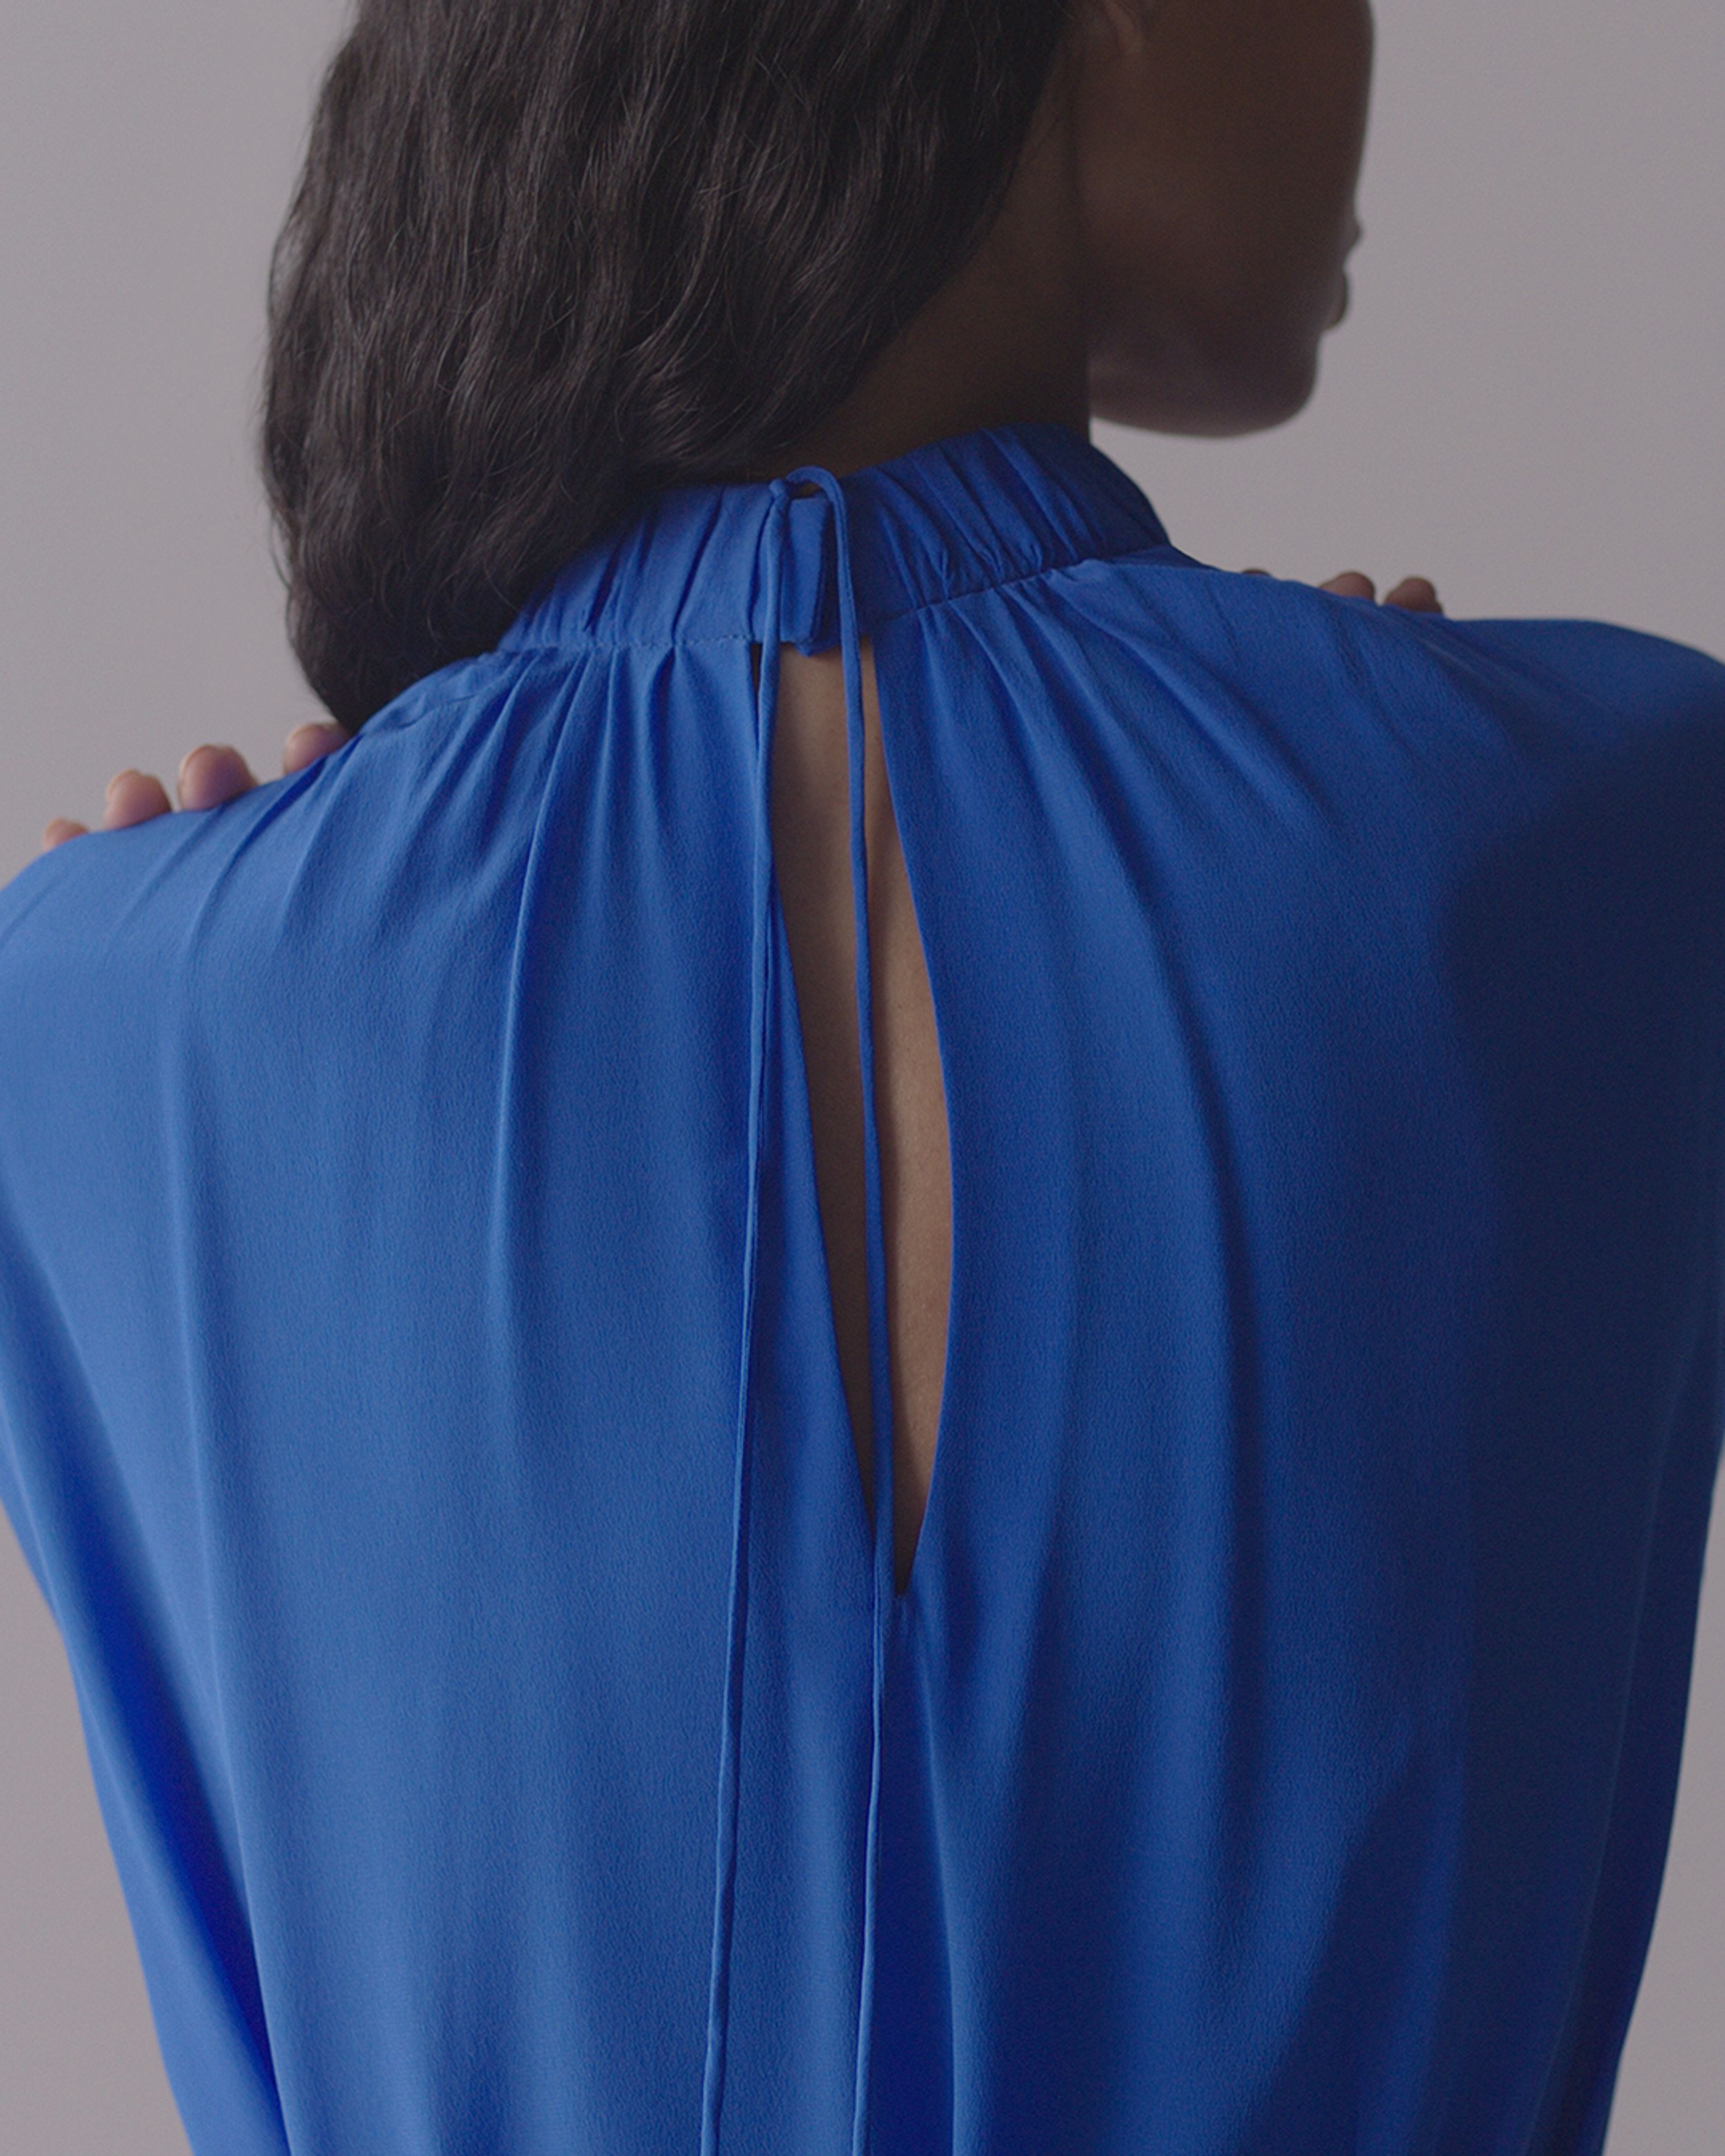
(1016, 1461)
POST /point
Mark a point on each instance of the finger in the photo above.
(1255, 572)
(1351, 584)
(134, 797)
(1418, 594)
(60, 829)
(211, 774)
(314, 738)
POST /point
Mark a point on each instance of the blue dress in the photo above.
(420, 1407)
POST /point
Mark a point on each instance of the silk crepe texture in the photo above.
(420, 1408)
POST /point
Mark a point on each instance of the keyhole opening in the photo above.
(811, 843)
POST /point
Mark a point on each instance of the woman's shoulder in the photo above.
(1631, 671)
(1290, 649)
(185, 924)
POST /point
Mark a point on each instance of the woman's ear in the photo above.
(1125, 22)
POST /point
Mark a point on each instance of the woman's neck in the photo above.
(930, 399)
(1002, 343)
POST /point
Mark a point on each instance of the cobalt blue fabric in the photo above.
(419, 1402)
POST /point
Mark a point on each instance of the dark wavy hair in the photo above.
(546, 257)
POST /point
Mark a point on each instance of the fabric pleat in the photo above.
(736, 1614)
(421, 1399)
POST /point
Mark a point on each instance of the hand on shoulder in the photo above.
(1413, 594)
(209, 775)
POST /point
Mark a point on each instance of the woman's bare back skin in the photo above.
(811, 848)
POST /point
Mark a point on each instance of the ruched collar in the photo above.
(966, 514)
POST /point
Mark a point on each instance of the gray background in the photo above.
(1524, 405)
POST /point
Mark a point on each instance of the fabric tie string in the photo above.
(880, 1381)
